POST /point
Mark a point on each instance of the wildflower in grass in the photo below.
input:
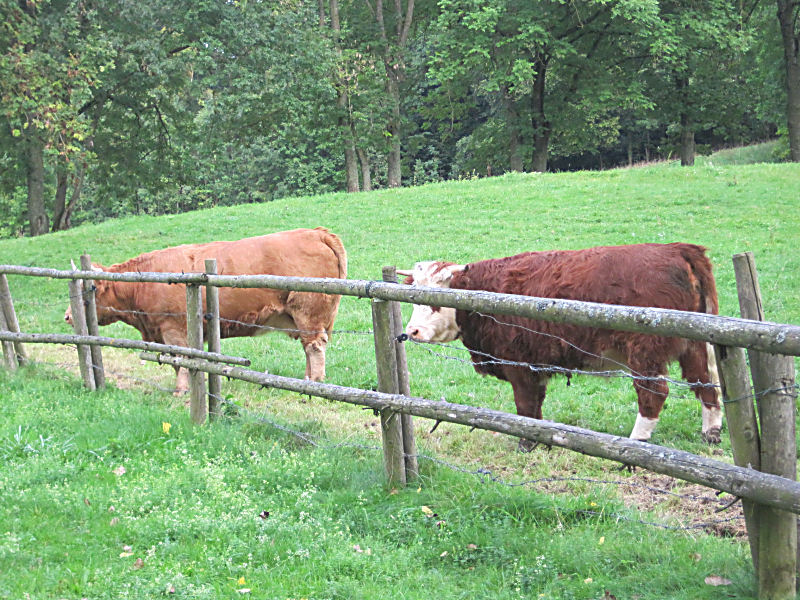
(240, 581)
(165, 427)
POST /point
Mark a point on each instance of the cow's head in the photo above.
(105, 312)
(432, 323)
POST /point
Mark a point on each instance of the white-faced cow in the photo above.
(158, 310)
(673, 276)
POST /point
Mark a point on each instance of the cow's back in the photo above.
(312, 252)
(299, 252)
(656, 275)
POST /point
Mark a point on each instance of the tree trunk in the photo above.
(393, 172)
(342, 102)
(346, 131)
(393, 63)
(62, 220)
(514, 136)
(787, 18)
(687, 135)
(541, 126)
(37, 214)
(687, 142)
(60, 204)
(630, 149)
(366, 172)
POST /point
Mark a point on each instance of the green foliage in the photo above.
(155, 108)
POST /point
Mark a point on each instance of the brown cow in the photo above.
(158, 310)
(673, 276)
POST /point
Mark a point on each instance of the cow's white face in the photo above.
(432, 323)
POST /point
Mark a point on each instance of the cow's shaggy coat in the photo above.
(673, 276)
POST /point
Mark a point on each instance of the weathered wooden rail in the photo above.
(726, 331)
(770, 490)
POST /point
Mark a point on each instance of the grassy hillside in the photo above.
(727, 209)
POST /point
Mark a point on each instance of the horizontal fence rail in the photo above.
(770, 490)
(722, 330)
(90, 340)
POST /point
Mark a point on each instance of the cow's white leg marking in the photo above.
(644, 428)
(712, 416)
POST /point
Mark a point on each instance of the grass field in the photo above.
(189, 501)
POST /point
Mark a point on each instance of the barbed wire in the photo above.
(268, 328)
(547, 369)
(552, 369)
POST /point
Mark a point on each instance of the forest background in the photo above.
(113, 107)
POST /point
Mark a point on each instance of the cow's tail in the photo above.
(701, 268)
(335, 244)
(709, 303)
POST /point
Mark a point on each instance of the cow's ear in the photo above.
(408, 274)
(452, 270)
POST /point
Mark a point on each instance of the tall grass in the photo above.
(192, 497)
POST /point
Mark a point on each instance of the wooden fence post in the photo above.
(391, 424)
(91, 323)
(9, 355)
(79, 326)
(773, 381)
(198, 408)
(213, 336)
(403, 385)
(7, 307)
(740, 413)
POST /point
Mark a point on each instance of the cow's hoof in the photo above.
(712, 436)
(529, 445)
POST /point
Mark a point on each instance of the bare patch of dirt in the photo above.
(687, 504)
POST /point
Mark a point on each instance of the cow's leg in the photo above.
(176, 337)
(313, 314)
(314, 338)
(314, 348)
(529, 392)
(699, 366)
(651, 392)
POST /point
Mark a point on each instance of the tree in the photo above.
(53, 57)
(696, 49)
(789, 21)
(546, 63)
(391, 47)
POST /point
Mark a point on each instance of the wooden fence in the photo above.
(764, 448)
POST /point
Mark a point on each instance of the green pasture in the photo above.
(189, 501)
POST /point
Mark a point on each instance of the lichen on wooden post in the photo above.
(391, 425)
(198, 402)
(79, 325)
(7, 308)
(774, 384)
(213, 337)
(91, 324)
(9, 356)
(740, 414)
(403, 383)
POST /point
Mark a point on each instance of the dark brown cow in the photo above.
(673, 276)
(158, 310)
